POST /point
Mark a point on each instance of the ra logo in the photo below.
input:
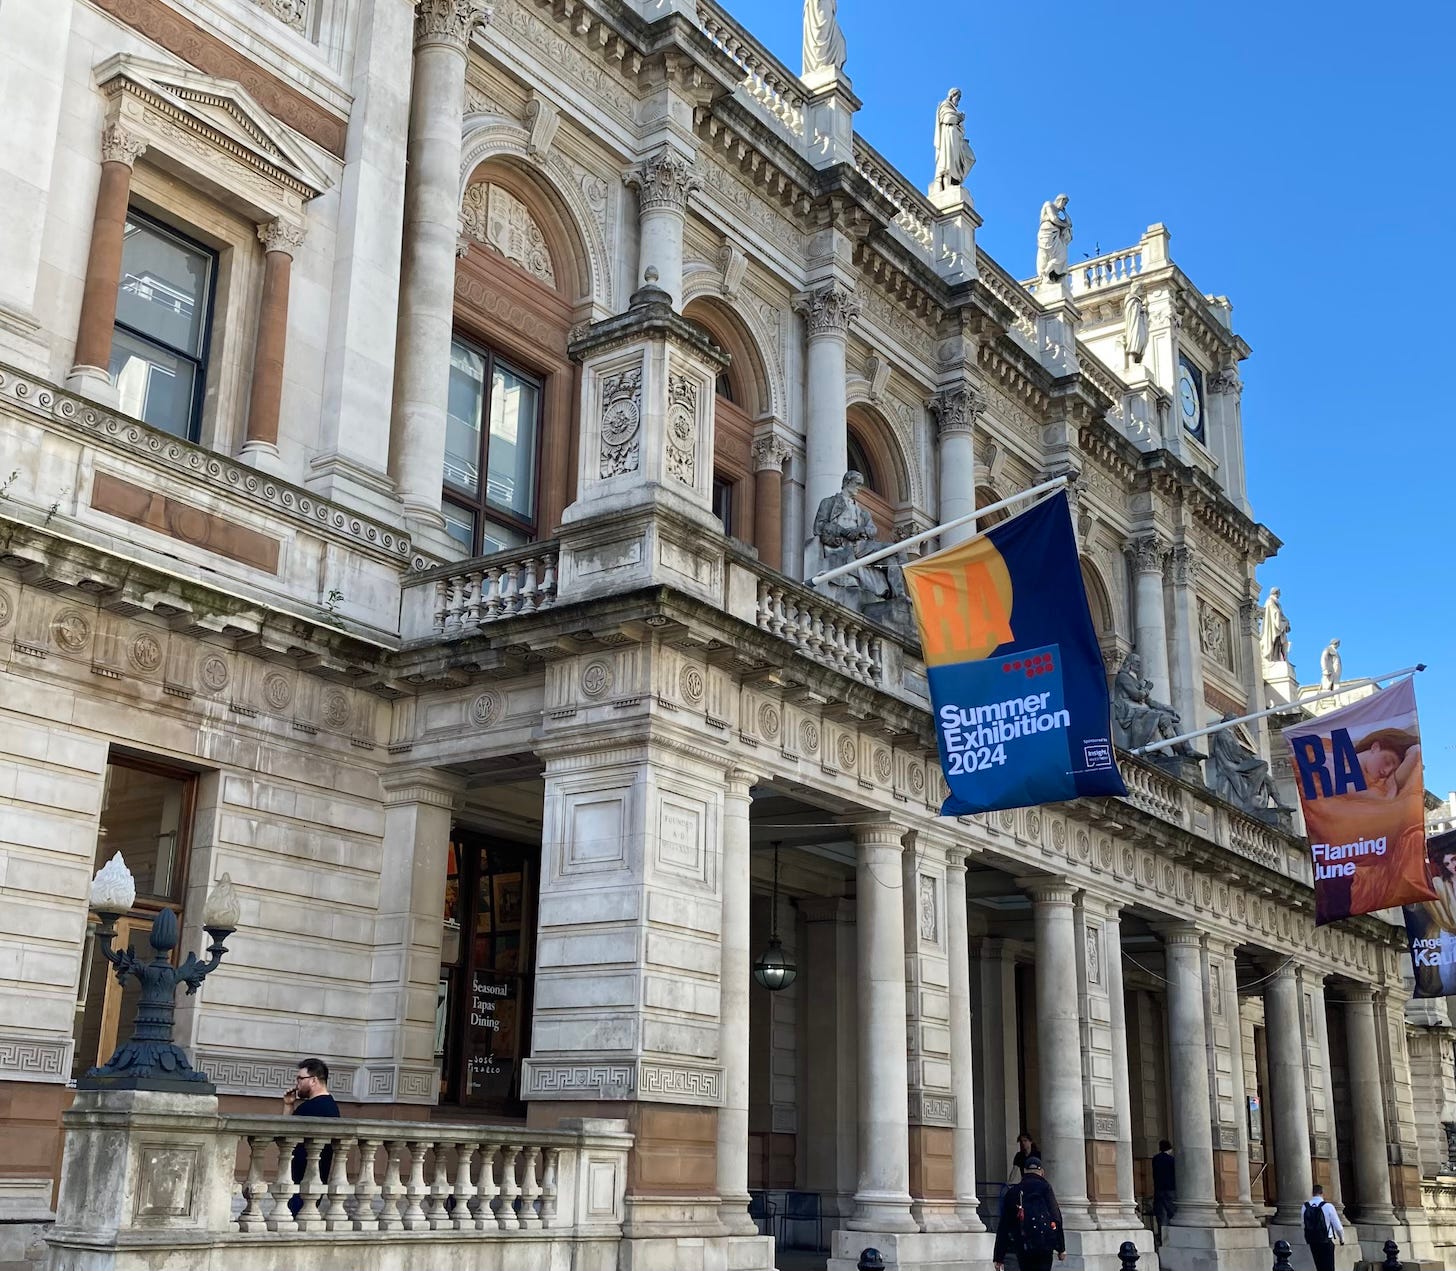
(1323, 774)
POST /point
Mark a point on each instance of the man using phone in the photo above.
(310, 1097)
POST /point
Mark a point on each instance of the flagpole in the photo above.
(915, 540)
(1277, 710)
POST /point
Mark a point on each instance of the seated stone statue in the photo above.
(1239, 775)
(1141, 719)
(846, 532)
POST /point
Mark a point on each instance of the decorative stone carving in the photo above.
(543, 119)
(1185, 566)
(954, 158)
(1226, 381)
(120, 146)
(281, 235)
(277, 691)
(1331, 665)
(1140, 718)
(734, 265)
(145, 653)
(846, 531)
(213, 672)
(1094, 955)
(682, 429)
(1214, 635)
(824, 48)
(1053, 238)
(6, 609)
(956, 410)
(1135, 323)
(1148, 553)
(485, 708)
(1238, 774)
(828, 311)
(1274, 630)
(770, 453)
(929, 917)
(596, 679)
(450, 22)
(292, 13)
(71, 631)
(492, 215)
(692, 685)
(877, 372)
(664, 182)
(621, 423)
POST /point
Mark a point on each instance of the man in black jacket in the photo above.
(1165, 1187)
(1031, 1223)
(310, 1097)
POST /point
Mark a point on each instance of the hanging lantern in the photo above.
(773, 968)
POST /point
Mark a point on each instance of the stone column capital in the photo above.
(1180, 934)
(886, 834)
(838, 909)
(1226, 381)
(1056, 892)
(449, 22)
(957, 409)
(1148, 552)
(769, 453)
(1185, 565)
(282, 235)
(741, 781)
(120, 145)
(664, 181)
(827, 311)
(421, 785)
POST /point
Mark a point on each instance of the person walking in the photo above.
(310, 1097)
(1165, 1188)
(1026, 1148)
(1031, 1222)
(1322, 1227)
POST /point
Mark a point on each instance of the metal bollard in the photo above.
(1392, 1257)
(870, 1260)
(1127, 1252)
(1281, 1256)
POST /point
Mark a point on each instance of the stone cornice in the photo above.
(205, 468)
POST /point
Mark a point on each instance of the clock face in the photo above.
(1188, 402)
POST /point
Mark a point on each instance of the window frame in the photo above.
(201, 360)
(479, 505)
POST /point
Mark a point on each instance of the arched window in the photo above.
(859, 461)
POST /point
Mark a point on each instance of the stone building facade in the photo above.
(412, 419)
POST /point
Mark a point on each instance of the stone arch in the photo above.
(571, 216)
(748, 370)
(986, 495)
(889, 487)
(702, 285)
(886, 430)
(1099, 599)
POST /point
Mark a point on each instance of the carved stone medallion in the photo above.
(213, 673)
(146, 652)
(485, 708)
(277, 691)
(596, 679)
(71, 630)
(690, 685)
(336, 710)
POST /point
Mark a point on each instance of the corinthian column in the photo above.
(89, 370)
(956, 411)
(664, 183)
(769, 453)
(427, 272)
(280, 240)
(882, 1197)
(827, 314)
(1148, 552)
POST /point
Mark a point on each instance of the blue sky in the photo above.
(1305, 169)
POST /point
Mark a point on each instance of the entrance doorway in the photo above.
(487, 972)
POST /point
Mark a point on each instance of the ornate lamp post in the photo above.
(773, 968)
(149, 1059)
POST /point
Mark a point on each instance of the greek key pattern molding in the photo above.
(262, 1077)
(137, 441)
(48, 1059)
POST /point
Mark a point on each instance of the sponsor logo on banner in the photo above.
(1016, 679)
(1431, 925)
(1358, 771)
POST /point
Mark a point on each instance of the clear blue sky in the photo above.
(1306, 169)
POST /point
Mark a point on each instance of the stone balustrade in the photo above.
(1013, 295)
(1151, 790)
(766, 80)
(915, 212)
(1438, 1196)
(821, 629)
(1108, 270)
(458, 599)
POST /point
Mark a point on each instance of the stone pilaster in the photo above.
(443, 29)
(827, 313)
(956, 411)
(830, 1108)
(1230, 1113)
(735, 977)
(1187, 653)
(1148, 553)
(664, 182)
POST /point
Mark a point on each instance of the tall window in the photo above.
(146, 815)
(491, 441)
(163, 320)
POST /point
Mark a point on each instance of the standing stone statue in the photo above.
(846, 531)
(1141, 719)
(1053, 238)
(1135, 323)
(1331, 664)
(1239, 775)
(1274, 635)
(823, 40)
(953, 156)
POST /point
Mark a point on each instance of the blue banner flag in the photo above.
(1022, 714)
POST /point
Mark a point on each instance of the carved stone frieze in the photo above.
(449, 22)
(828, 311)
(664, 182)
(492, 215)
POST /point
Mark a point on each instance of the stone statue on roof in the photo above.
(823, 40)
(1053, 238)
(953, 156)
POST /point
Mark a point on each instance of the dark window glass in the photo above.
(723, 502)
(859, 462)
(163, 314)
(493, 427)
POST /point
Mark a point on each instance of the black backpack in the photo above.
(1034, 1222)
(1316, 1229)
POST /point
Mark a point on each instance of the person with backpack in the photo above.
(1165, 1188)
(1322, 1227)
(1031, 1222)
